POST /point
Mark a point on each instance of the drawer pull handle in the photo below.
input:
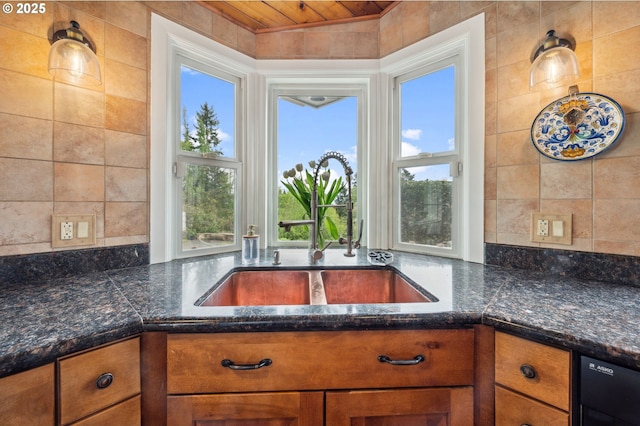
(416, 360)
(104, 380)
(230, 364)
(528, 371)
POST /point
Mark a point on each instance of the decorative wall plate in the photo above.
(577, 126)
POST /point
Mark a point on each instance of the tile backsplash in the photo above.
(66, 149)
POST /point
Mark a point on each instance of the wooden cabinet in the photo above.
(226, 376)
(401, 407)
(103, 383)
(28, 398)
(532, 382)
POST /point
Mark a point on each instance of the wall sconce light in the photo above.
(554, 62)
(72, 57)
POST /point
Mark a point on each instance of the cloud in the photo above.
(413, 134)
(409, 150)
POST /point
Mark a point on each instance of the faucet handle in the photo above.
(317, 254)
(356, 243)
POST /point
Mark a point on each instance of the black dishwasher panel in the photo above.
(609, 394)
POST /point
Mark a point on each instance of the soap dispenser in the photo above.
(250, 247)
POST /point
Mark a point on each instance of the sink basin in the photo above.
(312, 287)
(352, 286)
(258, 288)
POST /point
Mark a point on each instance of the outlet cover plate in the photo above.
(553, 235)
(57, 240)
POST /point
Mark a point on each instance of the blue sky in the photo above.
(305, 133)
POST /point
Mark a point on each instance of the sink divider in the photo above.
(317, 295)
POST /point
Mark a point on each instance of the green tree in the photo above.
(208, 191)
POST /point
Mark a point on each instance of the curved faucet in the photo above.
(316, 252)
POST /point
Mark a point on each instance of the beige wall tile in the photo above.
(125, 149)
(268, 45)
(78, 105)
(170, 9)
(129, 15)
(390, 32)
(366, 45)
(125, 47)
(78, 144)
(24, 53)
(491, 183)
(96, 208)
(415, 18)
(582, 216)
(623, 87)
(225, 31)
(25, 180)
(518, 182)
(514, 217)
(90, 15)
(125, 184)
(490, 151)
(292, 45)
(201, 20)
(124, 219)
(316, 44)
(516, 14)
(514, 80)
(24, 223)
(566, 180)
(246, 42)
(626, 248)
(442, 15)
(616, 178)
(518, 112)
(126, 115)
(490, 217)
(78, 182)
(515, 148)
(125, 81)
(26, 95)
(616, 220)
(614, 53)
(25, 137)
(341, 45)
(613, 16)
(516, 43)
(628, 145)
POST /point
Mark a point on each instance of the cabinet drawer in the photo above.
(550, 368)
(514, 409)
(318, 360)
(126, 413)
(27, 398)
(80, 394)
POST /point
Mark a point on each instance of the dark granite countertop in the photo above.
(42, 321)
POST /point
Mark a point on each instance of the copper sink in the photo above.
(366, 286)
(313, 287)
(258, 288)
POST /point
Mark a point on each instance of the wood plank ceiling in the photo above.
(266, 16)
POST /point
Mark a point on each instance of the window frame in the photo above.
(318, 86)
(179, 58)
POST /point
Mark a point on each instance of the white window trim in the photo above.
(167, 40)
(375, 74)
(351, 87)
(466, 39)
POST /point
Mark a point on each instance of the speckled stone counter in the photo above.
(42, 321)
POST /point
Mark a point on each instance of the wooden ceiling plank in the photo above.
(362, 8)
(262, 12)
(330, 10)
(297, 11)
(227, 10)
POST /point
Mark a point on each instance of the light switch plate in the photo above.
(70, 230)
(557, 230)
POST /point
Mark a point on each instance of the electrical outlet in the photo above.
(73, 230)
(66, 230)
(543, 228)
(551, 228)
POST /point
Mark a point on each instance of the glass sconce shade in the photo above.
(72, 58)
(554, 62)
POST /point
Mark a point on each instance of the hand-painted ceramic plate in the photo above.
(577, 126)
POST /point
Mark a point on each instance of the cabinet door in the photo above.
(28, 398)
(515, 409)
(406, 407)
(246, 409)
